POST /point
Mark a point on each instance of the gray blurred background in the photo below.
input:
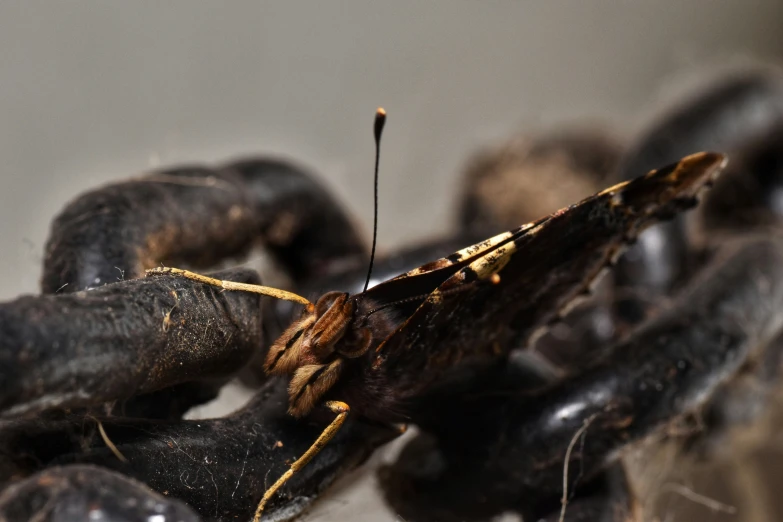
(95, 91)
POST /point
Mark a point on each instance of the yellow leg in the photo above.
(341, 409)
(232, 285)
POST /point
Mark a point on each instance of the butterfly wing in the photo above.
(542, 268)
(421, 281)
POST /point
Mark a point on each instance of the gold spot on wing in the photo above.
(492, 263)
(436, 297)
(481, 246)
(615, 188)
(679, 177)
(468, 252)
(433, 265)
(694, 165)
(427, 268)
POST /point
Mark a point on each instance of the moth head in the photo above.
(311, 339)
(314, 349)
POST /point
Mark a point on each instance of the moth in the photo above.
(374, 352)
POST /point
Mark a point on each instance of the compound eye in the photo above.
(328, 300)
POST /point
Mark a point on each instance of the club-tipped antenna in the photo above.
(380, 120)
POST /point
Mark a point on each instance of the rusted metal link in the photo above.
(80, 492)
(198, 216)
(121, 340)
(219, 467)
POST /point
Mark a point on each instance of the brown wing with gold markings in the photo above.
(543, 267)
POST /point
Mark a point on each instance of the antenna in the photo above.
(380, 120)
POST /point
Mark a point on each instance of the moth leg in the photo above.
(231, 285)
(338, 407)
